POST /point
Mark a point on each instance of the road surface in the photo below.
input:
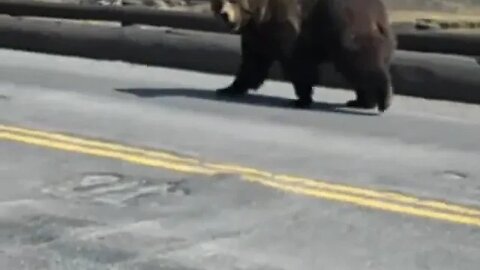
(107, 165)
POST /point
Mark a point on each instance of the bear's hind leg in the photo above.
(357, 79)
(372, 88)
(371, 83)
(368, 73)
(363, 100)
(384, 90)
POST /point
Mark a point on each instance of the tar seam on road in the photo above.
(369, 198)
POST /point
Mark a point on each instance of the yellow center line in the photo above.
(387, 201)
(370, 203)
(97, 144)
(391, 196)
(136, 159)
(310, 183)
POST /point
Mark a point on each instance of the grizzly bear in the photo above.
(354, 35)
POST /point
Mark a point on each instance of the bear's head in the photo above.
(234, 13)
(238, 13)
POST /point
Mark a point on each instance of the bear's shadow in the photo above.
(250, 99)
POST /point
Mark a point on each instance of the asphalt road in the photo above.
(107, 165)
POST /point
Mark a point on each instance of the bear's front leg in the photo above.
(304, 94)
(251, 74)
(240, 85)
(302, 74)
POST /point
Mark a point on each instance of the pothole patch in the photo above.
(95, 181)
(453, 175)
(119, 190)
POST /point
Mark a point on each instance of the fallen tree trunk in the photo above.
(409, 38)
(424, 75)
(125, 14)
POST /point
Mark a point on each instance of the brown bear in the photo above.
(301, 34)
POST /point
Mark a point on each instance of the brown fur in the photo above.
(353, 34)
(360, 18)
(269, 29)
(362, 44)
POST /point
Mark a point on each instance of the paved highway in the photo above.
(106, 165)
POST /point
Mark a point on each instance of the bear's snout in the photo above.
(224, 16)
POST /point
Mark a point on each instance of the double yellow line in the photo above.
(374, 199)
